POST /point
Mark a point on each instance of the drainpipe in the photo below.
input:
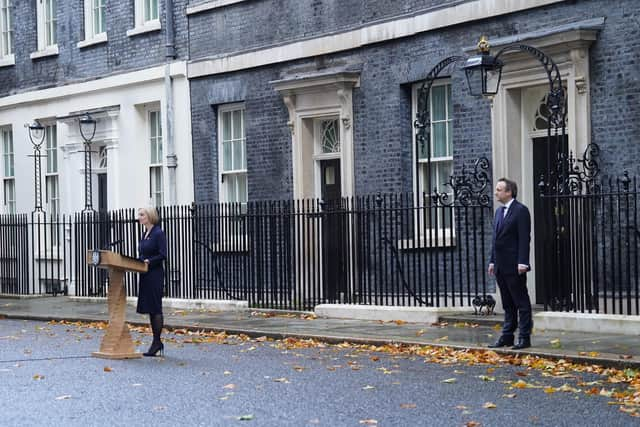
(172, 159)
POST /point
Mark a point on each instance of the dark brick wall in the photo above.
(120, 54)
(615, 89)
(382, 122)
(264, 22)
(268, 137)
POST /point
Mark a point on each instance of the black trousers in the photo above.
(516, 304)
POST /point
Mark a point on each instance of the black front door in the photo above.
(333, 231)
(545, 232)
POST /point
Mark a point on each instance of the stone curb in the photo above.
(606, 360)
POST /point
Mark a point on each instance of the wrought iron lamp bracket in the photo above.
(556, 98)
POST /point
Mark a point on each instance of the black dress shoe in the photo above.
(502, 342)
(522, 343)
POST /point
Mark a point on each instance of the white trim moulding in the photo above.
(375, 33)
(213, 4)
(48, 51)
(100, 38)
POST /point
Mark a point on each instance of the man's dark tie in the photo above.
(500, 218)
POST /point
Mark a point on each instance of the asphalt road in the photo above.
(47, 378)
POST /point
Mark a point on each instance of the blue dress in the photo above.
(153, 248)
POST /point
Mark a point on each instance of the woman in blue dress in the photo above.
(153, 251)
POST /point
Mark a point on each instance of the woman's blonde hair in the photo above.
(152, 214)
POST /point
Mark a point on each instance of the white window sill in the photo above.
(422, 242)
(147, 27)
(212, 4)
(47, 51)
(97, 39)
(8, 60)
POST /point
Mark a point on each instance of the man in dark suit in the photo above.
(510, 264)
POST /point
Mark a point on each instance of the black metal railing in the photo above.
(291, 254)
(591, 239)
(386, 249)
(295, 254)
(35, 253)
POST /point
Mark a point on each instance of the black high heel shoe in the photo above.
(155, 349)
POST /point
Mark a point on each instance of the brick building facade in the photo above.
(65, 58)
(304, 72)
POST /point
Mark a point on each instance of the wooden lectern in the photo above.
(116, 343)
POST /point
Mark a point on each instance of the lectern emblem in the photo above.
(95, 258)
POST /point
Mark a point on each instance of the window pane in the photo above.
(237, 155)
(438, 103)
(52, 193)
(50, 11)
(5, 153)
(10, 195)
(5, 26)
(243, 164)
(439, 139)
(242, 188)
(153, 124)
(444, 172)
(158, 178)
(96, 20)
(155, 179)
(7, 164)
(226, 126)
(330, 136)
(230, 181)
(237, 125)
(52, 151)
(154, 9)
(449, 138)
(154, 151)
(103, 19)
(449, 114)
(422, 149)
(7, 145)
(226, 156)
(158, 124)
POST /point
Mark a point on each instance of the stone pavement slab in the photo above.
(606, 349)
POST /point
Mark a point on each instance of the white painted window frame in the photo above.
(8, 176)
(318, 155)
(234, 240)
(156, 192)
(210, 5)
(46, 46)
(223, 189)
(428, 237)
(7, 31)
(91, 34)
(143, 25)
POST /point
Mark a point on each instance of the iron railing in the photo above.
(594, 247)
(387, 249)
(291, 254)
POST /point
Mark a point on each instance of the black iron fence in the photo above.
(34, 253)
(383, 249)
(593, 242)
(388, 249)
(294, 254)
